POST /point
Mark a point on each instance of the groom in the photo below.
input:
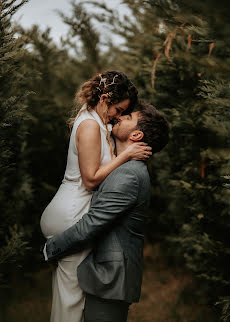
(111, 275)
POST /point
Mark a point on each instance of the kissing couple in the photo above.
(94, 224)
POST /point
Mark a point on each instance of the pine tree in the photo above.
(15, 183)
(83, 38)
(55, 82)
(85, 41)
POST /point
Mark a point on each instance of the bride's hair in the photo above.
(116, 85)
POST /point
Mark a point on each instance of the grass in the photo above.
(168, 295)
(31, 300)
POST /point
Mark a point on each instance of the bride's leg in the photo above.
(68, 298)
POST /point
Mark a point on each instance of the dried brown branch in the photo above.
(154, 69)
(190, 38)
(211, 46)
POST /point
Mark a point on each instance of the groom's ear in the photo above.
(136, 136)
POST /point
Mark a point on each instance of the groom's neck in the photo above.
(121, 146)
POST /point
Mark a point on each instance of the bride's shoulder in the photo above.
(82, 116)
(89, 124)
(88, 129)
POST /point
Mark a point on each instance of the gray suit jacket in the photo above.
(113, 226)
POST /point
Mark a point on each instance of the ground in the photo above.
(169, 294)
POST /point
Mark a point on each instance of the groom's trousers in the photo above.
(103, 310)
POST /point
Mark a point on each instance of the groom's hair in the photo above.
(154, 125)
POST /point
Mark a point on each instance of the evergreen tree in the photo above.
(50, 107)
(85, 41)
(15, 182)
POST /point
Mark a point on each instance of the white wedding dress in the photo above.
(69, 204)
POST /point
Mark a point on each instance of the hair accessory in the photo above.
(103, 80)
(113, 82)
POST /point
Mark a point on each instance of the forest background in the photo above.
(178, 55)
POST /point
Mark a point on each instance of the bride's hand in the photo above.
(139, 151)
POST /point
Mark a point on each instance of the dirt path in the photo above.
(168, 295)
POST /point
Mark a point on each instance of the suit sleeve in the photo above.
(118, 194)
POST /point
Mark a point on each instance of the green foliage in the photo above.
(225, 303)
(53, 82)
(84, 40)
(81, 27)
(15, 246)
(15, 182)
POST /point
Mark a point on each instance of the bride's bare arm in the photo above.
(88, 143)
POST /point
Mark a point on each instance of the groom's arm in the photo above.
(118, 193)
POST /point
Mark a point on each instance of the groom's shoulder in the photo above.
(133, 166)
(130, 175)
(130, 169)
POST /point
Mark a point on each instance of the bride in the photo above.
(90, 160)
